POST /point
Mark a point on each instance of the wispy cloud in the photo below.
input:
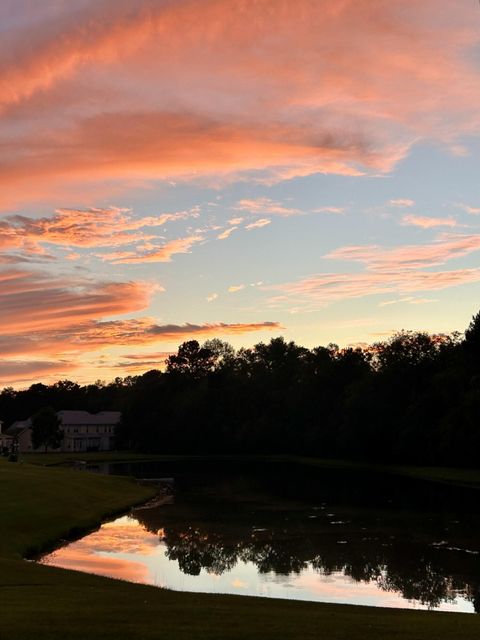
(235, 287)
(81, 229)
(31, 301)
(266, 206)
(401, 270)
(408, 257)
(211, 297)
(18, 371)
(92, 335)
(245, 102)
(258, 224)
(227, 233)
(254, 107)
(334, 210)
(323, 289)
(426, 222)
(474, 211)
(402, 203)
(151, 252)
(407, 300)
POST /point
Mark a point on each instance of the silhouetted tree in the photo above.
(46, 430)
(414, 398)
(191, 360)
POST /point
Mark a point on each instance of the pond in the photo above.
(294, 532)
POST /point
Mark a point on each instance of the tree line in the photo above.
(414, 398)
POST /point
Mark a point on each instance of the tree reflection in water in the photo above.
(289, 541)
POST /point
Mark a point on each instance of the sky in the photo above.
(241, 169)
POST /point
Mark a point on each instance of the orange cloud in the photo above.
(231, 99)
(428, 223)
(266, 206)
(36, 302)
(64, 349)
(323, 289)
(17, 371)
(92, 335)
(258, 224)
(150, 252)
(144, 331)
(336, 210)
(449, 246)
(402, 203)
(398, 269)
(407, 300)
(227, 233)
(474, 211)
(93, 150)
(84, 229)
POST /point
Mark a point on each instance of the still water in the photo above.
(296, 533)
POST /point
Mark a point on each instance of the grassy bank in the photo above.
(460, 477)
(39, 505)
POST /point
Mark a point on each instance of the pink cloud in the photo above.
(150, 252)
(92, 335)
(230, 88)
(402, 203)
(407, 300)
(266, 206)
(227, 233)
(81, 229)
(31, 301)
(428, 223)
(258, 224)
(335, 210)
(475, 211)
(17, 371)
(323, 289)
(448, 247)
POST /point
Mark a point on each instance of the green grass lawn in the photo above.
(39, 505)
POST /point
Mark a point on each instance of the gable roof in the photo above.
(84, 417)
(18, 427)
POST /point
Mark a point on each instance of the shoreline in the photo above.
(41, 602)
(466, 478)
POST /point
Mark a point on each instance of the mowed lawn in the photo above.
(41, 505)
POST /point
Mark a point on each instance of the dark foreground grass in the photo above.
(38, 505)
(40, 603)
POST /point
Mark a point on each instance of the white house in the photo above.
(82, 431)
(21, 432)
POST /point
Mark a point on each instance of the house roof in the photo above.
(86, 418)
(18, 427)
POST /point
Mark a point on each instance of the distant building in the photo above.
(5, 440)
(82, 431)
(85, 431)
(21, 432)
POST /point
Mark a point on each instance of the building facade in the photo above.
(5, 440)
(82, 431)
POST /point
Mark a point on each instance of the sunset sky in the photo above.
(241, 169)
